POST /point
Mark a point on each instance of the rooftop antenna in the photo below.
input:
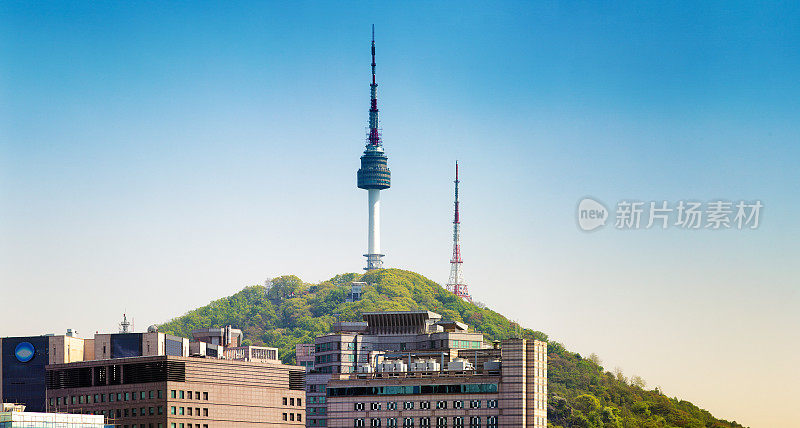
(124, 326)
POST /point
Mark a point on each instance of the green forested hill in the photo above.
(581, 393)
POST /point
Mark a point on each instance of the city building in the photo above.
(180, 392)
(304, 355)
(374, 174)
(491, 388)
(352, 345)
(15, 416)
(22, 368)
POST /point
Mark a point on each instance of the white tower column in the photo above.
(374, 203)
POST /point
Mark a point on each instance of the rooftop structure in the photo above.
(15, 416)
(223, 336)
(374, 174)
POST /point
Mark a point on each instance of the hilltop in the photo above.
(581, 393)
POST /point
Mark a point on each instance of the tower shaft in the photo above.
(455, 283)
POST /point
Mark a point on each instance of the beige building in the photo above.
(180, 392)
(501, 387)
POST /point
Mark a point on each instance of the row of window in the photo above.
(316, 411)
(425, 422)
(174, 410)
(424, 405)
(291, 400)
(315, 400)
(133, 412)
(180, 425)
(468, 388)
(101, 398)
(187, 395)
(293, 417)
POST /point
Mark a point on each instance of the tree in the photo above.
(620, 375)
(595, 359)
(638, 382)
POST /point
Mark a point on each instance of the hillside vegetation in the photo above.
(581, 393)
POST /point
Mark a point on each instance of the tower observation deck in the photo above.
(374, 175)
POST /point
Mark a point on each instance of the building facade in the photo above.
(180, 392)
(382, 334)
(477, 389)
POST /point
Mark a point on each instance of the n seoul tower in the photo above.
(374, 175)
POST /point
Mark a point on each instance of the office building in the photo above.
(382, 334)
(491, 388)
(180, 392)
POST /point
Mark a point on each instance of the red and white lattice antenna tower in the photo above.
(456, 283)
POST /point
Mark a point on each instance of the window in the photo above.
(142, 395)
(441, 404)
(150, 394)
(391, 422)
(492, 404)
(375, 406)
(181, 394)
(441, 422)
(299, 401)
(173, 410)
(408, 405)
(197, 395)
(133, 411)
(205, 396)
(160, 394)
(127, 396)
(291, 401)
(391, 405)
(285, 417)
(80, 399)
(425, 422)
(291, 416)
(160, 410)
(458, 404)
(151, 411)
(205, 412)
(375, 422)
(125, 412)
(189, 393)
(197, 411)
(491, 422)
(425, 405)
(474, 422)
(172, 394)
(458, 422)
(180, 410)
(475, 404)
(358, 407)
(189, 411)
(408, 422)
(299, 417)
(285, 401)
(358, 422)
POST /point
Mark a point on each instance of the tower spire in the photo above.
(456, 283)
(374, 136)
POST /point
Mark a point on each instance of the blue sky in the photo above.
(187, 150)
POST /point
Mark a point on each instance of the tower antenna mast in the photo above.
(456, 283)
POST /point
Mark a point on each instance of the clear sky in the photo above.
(157, 155)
